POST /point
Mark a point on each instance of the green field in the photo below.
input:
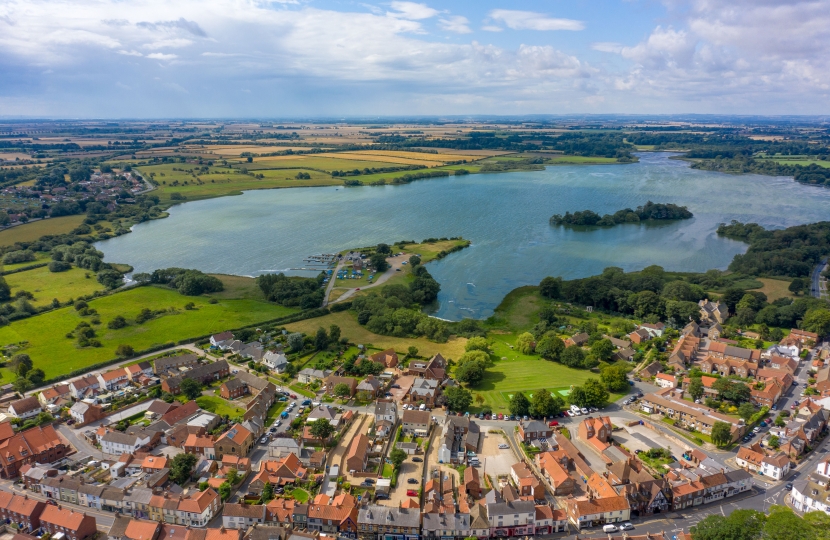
(219, 406)
(797, 160)
(55, 354)
(46, 285)
(40, 258)
(32, 231)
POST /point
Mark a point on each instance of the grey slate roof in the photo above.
(394, 517)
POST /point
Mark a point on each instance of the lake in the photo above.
(504, 215)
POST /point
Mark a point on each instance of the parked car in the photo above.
(627, 526)
(609, 528)
(500, 416)
(395, 386)
(411, 493)
(384, 496)
(553, 423)
(504, 446)
(412, 481)
(583, 410)
(416, 459)
(789, 486)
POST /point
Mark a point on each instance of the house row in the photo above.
(204, 373)
(30, 515)
(694, 415)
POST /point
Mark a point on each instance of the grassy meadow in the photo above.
(34, 230)
(46, 285)
(45, 338)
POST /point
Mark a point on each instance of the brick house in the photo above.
(35, 445)
(237, 441)
(331, 382)
(387, 358)
(534, 429)
(357, 454)
(73, 525)
(233, 389)
(20, 509)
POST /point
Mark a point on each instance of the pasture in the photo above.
(34, 230)
(46, 285)
(44, 336)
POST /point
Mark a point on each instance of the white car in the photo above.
(583, 410)
(627, 526)
(504, 446)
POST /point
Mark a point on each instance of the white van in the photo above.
(422, 407)
(609, 528)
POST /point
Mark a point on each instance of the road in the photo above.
(815, 288)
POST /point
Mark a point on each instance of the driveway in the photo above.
(405, 384)
(409, 469)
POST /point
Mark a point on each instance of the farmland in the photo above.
(34, 230)
(44, 336)
(46, 285)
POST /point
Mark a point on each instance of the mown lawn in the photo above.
(56, 354)
(219, 406)
(32, 231)
(349, 327)
(46, 285)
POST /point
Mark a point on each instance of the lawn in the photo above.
(302, 391)
(518, 310)
(775, 288)
(219, 406)
(55, 354)
(46, 285)
(32, 231)
(518, 372)
(347, 321)
(299, 494)
(274, 412)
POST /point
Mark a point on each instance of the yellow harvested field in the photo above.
(11, 156)
(480, 153)
(438, 158)
(235, 150)
(384, 159)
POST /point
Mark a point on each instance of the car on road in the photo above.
(609, 528)
(412, 481)
(627, 526)
(417, 460)
(263, 440)
(553, 423)
(504, 446)
(789, 486)
(272, 430)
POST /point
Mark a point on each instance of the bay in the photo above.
(504, 215)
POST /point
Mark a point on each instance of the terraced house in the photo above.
(377, 522)
(35, 445)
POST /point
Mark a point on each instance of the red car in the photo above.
(554, 423)
(293, 396)
(501, 416)
(567, 414)
(411, 493)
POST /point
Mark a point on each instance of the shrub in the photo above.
(59, 266)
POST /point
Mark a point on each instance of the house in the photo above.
(369, 388)
(20, 509)
(639, 336)
(596, 431)
(433, 369)
(83, 413)
(526, 482)
(511, 518)
(35, 445)
(117, 443)
(243, 516)
(618, 343)
(783, 362)
(578, 340)
(275, 361)
(654, 329)
(770, 394)
(337, 517)
(813, 491)
(283, 446)
(325, 413)
(387, 358)
(136, 371)
(823, 381)
(715, 331)
(386, 416)
(115, 379)
(651, 370)
(332, 381)
(221, 340)
(724, 351)
(285, 470)
(459, 436)
(309, 375)
(375, 521)
(50, 395)
(555, 473)
(692, 329)
(775, 467)
(626, 354)
(534, 429)
(750, 457)
(800, 338)
(416, 422)
(69, 523)
(237, 441)
(664, 380)
(25, 408)
(233, 388)
(472, 483)
(203, 446)
(713, 312)
(592, 512)
(550, 520)
(700, 417)
(424, 391)
(169, 363)
(358, 454)
(447, 525)
(204, 373)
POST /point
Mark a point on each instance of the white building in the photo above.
(775, 467)
(25, 408)
(117, 443)
(813, 492)
(275, 361)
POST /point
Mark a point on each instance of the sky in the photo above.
(327, 58)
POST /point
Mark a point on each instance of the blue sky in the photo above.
(284, 58)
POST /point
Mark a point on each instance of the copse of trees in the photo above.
(187, 282)
(306, 293)
(648, 212)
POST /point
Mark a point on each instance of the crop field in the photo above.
(56, 354)
(324, 162)
(799, 161)
(34, 230)
(429, 251)
(393, 160)
(349, 327)
(409, 156)
(46, 285)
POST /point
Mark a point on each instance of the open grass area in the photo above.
(775, 288)
(429, 251)
(347, 321)
(582, 160)
(300, 495)
(514, 372)
(798, 160)
(274, 412)
(325, 162)
(219, 406)
(34, 230)
(40, 258)
(518, 310)
(56, 354)
(302, 391)
(46, 285)
(238, 287)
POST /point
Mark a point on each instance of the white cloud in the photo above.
(529, 20)
(607, 46)
(130, 53)
(413, 10)
(162, 56)
(168, 44)
(492, 28)
(455, 23)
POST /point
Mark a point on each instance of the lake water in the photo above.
(505, 215)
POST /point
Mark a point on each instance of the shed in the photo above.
(409, 447)
(383, 485)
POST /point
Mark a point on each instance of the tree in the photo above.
(545, 405)
(681, 311)
(740, 524)
(578, 396)
(595, 392)
(321, 339)
(233, 476)
(783, 524)
(525, 343)
(22, 384)
(412, 351)
(117, 322)
(696, 388)
(379, 263)
(817, 320)
(820, 521)
(295, 342)
(458, 399)
(476, 343)
(774, 441)
(342, 390)
(124, 351)
(191, 388)
(470, 372)
(414, 260)
(21, 364)
(334, 333)
(36, 376)
(397, 457)
(267, 492)
(225, 491)
(734, 391)
(519, 404)
(384, 249)
(322, 429)
(181, 467)
(572, 356)
(479, 399)
(602, 350)
(551, 287)
(746, 410)
(614, 378)
(551, 347)
(721, 433)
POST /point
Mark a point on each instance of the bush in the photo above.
(16, 257)
(59, 266)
